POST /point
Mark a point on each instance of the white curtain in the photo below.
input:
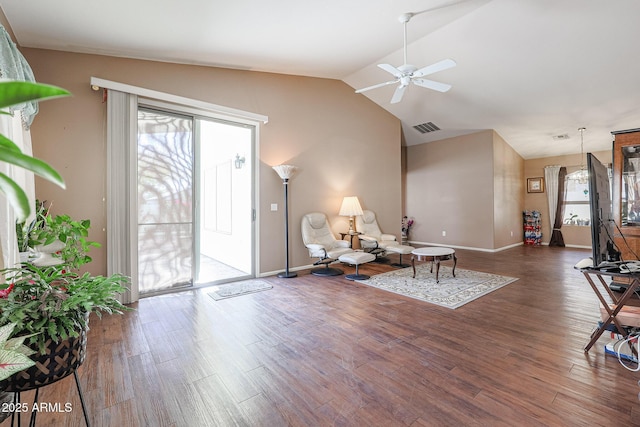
(12, 127)
(551, 174)
(121, 206)
(13, 66)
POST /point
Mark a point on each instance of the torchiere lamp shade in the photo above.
(285, 171)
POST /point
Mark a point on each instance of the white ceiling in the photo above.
(530, 69)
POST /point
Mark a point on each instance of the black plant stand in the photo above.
(32, 420)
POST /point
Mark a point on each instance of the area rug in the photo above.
(235, 289)
(451, 292)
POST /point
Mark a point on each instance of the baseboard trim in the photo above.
(273, 273)
(470, 248)
(578, 246)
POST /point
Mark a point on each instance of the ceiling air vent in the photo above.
(561, 137)
(426, 127)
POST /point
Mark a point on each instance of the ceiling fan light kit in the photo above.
(407, 73)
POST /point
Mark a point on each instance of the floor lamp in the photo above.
(286, 172)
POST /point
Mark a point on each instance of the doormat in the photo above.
(235, 289)
(451, 292)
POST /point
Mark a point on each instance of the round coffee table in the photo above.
(435, 255)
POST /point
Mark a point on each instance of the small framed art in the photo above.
(535, 185)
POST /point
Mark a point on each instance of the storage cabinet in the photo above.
(532, 227)
(626, 192)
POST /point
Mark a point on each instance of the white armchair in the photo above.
(319, 239)
(372, 239)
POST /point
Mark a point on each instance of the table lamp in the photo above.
(286, 172)
(350, 207)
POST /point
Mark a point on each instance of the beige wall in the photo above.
(573, 235)
(508, 182)
(474, 188)
(470, 187)
(343, 143)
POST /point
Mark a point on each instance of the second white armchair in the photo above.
(372, 239)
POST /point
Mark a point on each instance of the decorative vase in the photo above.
(46, 252)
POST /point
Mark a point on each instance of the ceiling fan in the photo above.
(407, 73)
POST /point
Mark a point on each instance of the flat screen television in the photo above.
(602, 223)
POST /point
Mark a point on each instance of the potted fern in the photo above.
(50, 303)
(53, 303)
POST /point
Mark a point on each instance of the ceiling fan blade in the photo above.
(430, 84)
(390, 69)
(445, 64)
(397, 95)
(376, 86)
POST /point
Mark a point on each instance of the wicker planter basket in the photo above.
(60, 360)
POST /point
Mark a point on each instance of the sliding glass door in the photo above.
(195, 200)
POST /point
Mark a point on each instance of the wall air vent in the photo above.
(426, 127)
(561, 137)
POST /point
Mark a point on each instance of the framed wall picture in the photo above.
(535, 185)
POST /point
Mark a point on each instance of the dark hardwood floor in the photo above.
(326, 351)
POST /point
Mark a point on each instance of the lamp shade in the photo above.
(285, 171)
(350, 206)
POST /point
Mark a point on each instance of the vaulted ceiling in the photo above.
(529, 69)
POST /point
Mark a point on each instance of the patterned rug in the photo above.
(235, 289)
(451, 292)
